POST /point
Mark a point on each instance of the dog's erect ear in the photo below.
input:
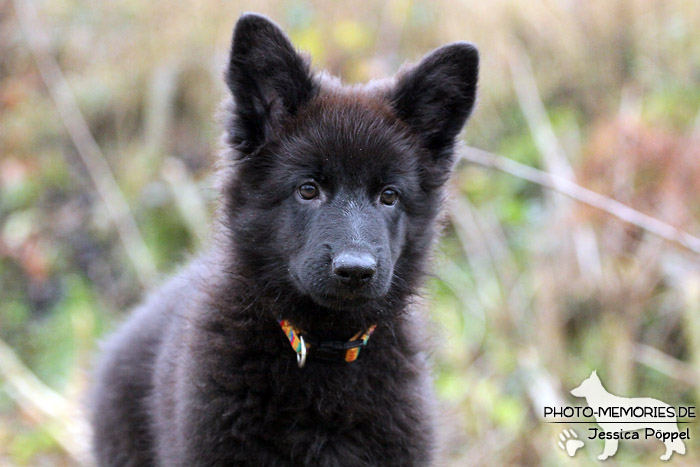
(268, 78)
(436, 97)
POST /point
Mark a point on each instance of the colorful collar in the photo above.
(333, 351)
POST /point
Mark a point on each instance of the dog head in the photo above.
(336, 189)
(589, 386)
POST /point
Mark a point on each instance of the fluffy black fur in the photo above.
(201, 374)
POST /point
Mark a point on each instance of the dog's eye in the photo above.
(389, 197)
(308, 191)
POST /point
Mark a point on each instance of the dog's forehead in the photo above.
(351, 132)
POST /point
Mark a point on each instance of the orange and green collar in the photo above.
(325, 350)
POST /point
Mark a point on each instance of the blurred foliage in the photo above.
(531, 291)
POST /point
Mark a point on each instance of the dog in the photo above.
(603, 403)
(295, 340)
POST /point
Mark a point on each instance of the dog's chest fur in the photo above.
(248, 403)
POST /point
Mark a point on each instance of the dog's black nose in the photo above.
(354, 268)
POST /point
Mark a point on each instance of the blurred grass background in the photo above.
(532, 290)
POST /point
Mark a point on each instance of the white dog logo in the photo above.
(607, 407)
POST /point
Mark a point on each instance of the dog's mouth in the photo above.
(336, 298)
(341, 302)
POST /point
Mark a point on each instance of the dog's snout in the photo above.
(354, 268)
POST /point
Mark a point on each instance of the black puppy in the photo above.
(293, 342)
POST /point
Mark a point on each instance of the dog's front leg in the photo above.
(609, 449)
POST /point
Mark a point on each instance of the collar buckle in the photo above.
(301, 356)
